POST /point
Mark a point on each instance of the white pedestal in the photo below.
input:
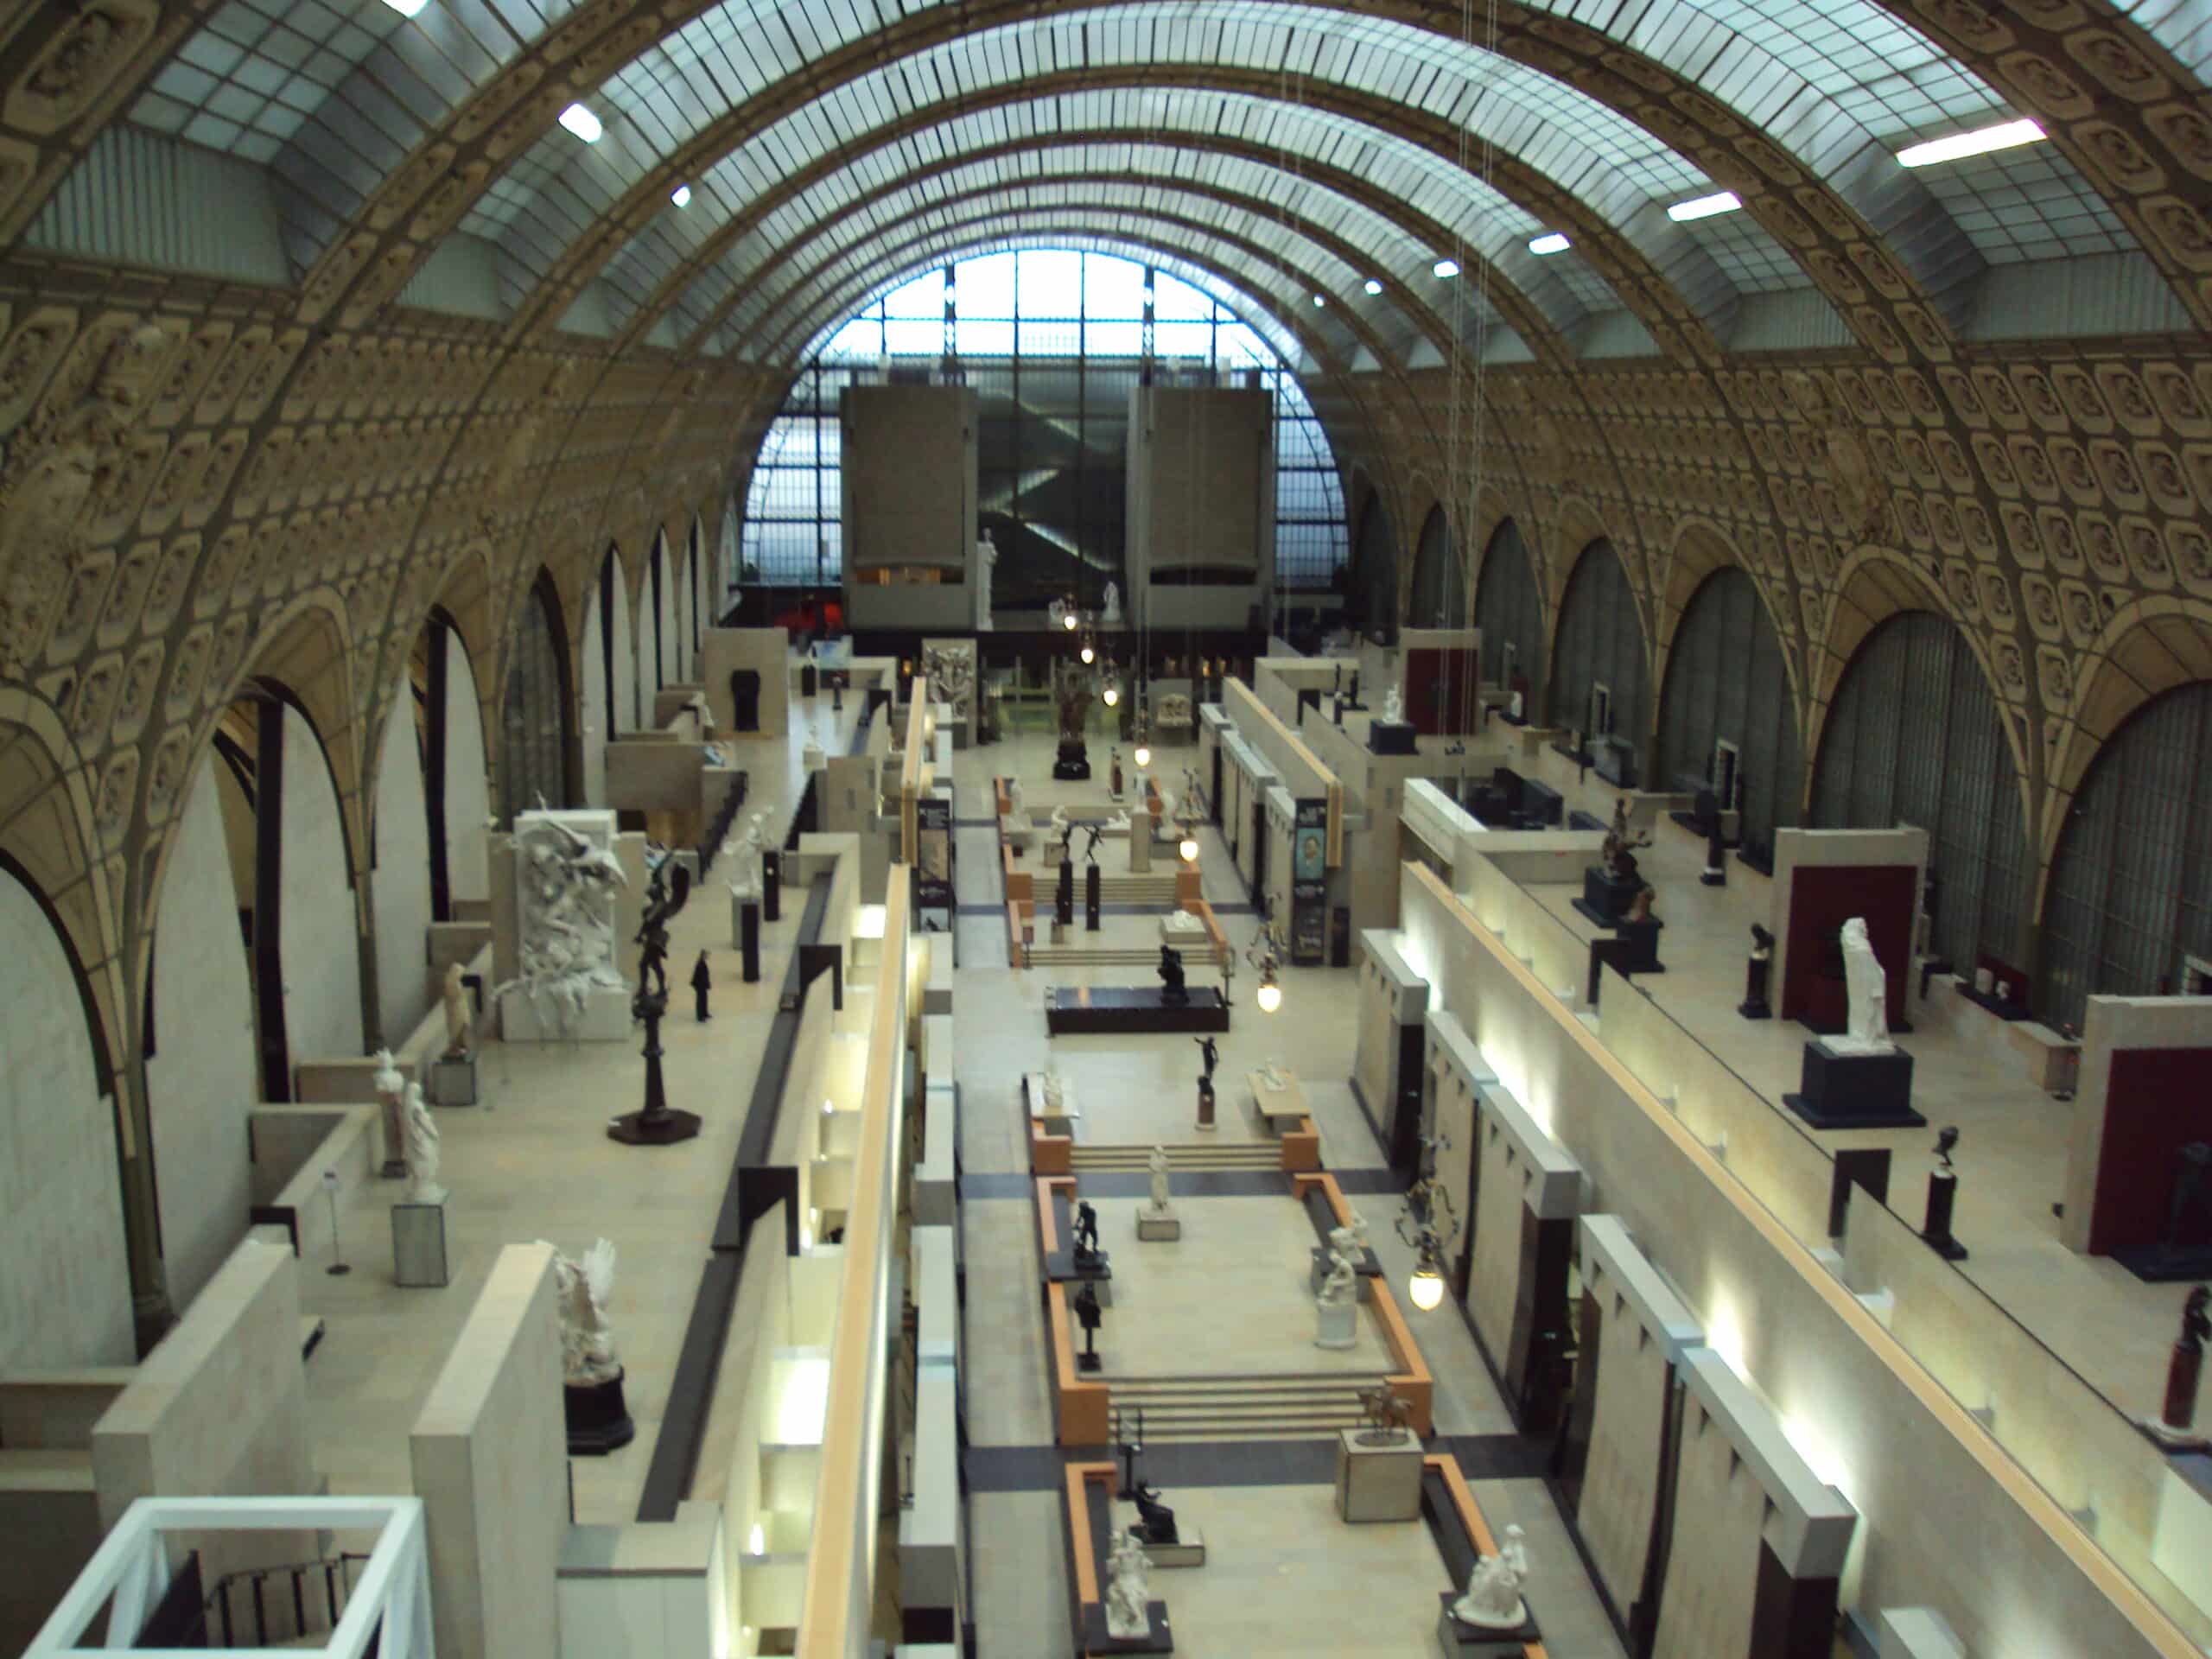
(1140, 843)
(1336, 1325)
(1378, 1483)
(453, 1080)
(605, 1019)
(418, 1246)
(1158, 1225)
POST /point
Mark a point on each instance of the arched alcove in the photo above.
(1726, 684)
(400, 861)
(1510, 611)
(1599, 647)
(65, 1280)
(659, 667)
(1371, 583)
(467, 787)
(201, 1081)
(535, 712)
(1913, 736)
(610, 700)
(2128, 911)
(1439, 582)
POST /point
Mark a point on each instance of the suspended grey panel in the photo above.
(2130, 900)
(1510, 611)
(1601, 644)
(1914, 737)
(1727, 683)
(1439, 596)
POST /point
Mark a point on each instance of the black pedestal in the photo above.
(655, 1124)
(598, 1420)
(771, 884)
(748, 939)
(1642, 940)
(809, 680)
(1091, 900)
(1064, 898)
(1156, 1639)
(1392, 737)
(1072, 763)
(1754, 1005)
(1061, 1267)
(2155, 1264)
(1087, 1362)
(1942, 1192)
(1113, 1010)
(1604, 900)
(1855, 1091)
(1463, 1640)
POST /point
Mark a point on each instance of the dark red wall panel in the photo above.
(1822, 898)
(2158, 1100)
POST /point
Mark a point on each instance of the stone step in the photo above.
(1120, 1160)
(1344, 1382)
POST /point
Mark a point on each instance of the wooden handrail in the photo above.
(910, 771)
(1087, 1592)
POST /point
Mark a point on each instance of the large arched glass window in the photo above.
(1053, 341)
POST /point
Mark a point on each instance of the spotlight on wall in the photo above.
(681, 195)
(1447, 268)
(582, 121)
(1551, 243)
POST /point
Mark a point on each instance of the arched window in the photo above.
(1511, 612)
(1372, 581)
(1439, 595)
(1913, 737)
(535, 712)
(2129, 907)
(1599, 673)
(1053, 341)
(1726, 716)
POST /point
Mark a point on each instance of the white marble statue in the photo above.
(1492, 1601)
(1868, 1031)
(987, 555)
(1129, 1589)
(1056, 612)
(1394, 708)
(1156, 1161)
(422, 1150)
(745, 854)
(391, 1106)
(1017, 805)
(1110, 613)
(566, 883)
(1166, 806)
(581, 1290)
(1342, 1281)
(386, 1079)
(459, 1027)
(1060, 827)
(1056, 1092)
(1272, 1075)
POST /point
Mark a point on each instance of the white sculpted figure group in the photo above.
(1347, 1245)
(745, 853)
(567, 948)
(1492, 1601)
(1128, 1588)
(1156, 1162)
(1868, 1031)
(582, 1289)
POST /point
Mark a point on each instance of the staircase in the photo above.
(1227, 1154)
(1157, 892)
(1293, 1408)
(1093, 956)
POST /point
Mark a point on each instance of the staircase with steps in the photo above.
(1158, 891)
(1227, 1154)
(1304, 1405)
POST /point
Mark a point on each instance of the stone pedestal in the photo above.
(1642, 940)
(453, 1080)
(598, 1420)
(1062, 1268)
(1140, 841)
(1605, 900)
(1336, 1325)
(1188, 1550)
(1854, 1091)
(418, 1246)
(1392, 737)
(1205, 1105)
(1459, 1640)
(1378, 1483)
(1157, 1637)
(1156, 1226)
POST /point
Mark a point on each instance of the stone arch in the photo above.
(1509, 607)
(1371, 577)
(1725, 679)
(1599, 635)
(536, 678)
(1435, 595)
(1702, 547)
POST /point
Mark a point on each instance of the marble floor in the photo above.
(533, 1161)
(2092, 1313)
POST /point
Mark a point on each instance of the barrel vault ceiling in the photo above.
(317, 315)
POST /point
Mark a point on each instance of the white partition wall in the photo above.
(315, 918)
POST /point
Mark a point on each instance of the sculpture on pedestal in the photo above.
(582, 1289)
(1128, 1590)
(1617, 857)
(1387, 1415)
(1869, 1030)
(1055, 1090)
(1155, 1521)
(566, 950)
(703, 981)
(1342, 1281)
(1097, 833)
(1114, 772)
(1063, 831)
(422, 1151)
(986, 556)
(1156, 1163)
(655, 1124)
(1492, 1600)
(1110, 613)
(1394, 708)
(1072, 692)
(1171, 978)
(745, 856)
(1757, 967)
(1088, 1314)
(2177, 1417)
(1086, 1234)
(459, 1027)
(951, 670)
(391, 1090)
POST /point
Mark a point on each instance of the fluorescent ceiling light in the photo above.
(405, 8)
(1318, 301)
(1704, 208)
(1960, 145)
(1373, 286)
(1447, 268)
(1551, 242)
(681, 195)
(582, 121)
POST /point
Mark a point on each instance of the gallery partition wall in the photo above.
(1053, 342)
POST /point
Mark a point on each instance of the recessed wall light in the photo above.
(1373, 286)
(681, 195)
(1723, 201)
(1551, 242)
(1960, 145)
(1447, 268)
(582, 121)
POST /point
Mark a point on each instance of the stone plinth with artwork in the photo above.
(568, 987)
(1843, 1091)
(1378, 1482)
(419, 1261)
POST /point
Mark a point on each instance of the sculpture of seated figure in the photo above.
(1086, 1234)
(1492, 1601)
(1171, 978)
(1155, 1520)
(1868, 993)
